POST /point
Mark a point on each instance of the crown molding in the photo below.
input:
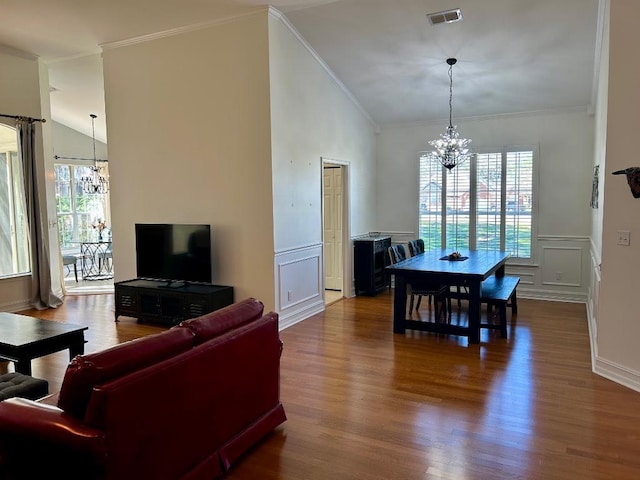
(69, 58)
(181, 30)
(497, 116)
(18, 53)
(278, 15)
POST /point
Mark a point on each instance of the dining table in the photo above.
(468, 270)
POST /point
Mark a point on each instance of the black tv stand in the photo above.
(159, 301)
(175, 284)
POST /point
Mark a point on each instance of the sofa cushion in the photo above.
(87, 371)
(220, 321)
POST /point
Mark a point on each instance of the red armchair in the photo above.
(182, 404)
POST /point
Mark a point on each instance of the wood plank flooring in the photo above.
(363, 403)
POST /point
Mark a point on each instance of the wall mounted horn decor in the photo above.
(633, 178)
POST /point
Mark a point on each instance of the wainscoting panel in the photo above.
(562, 266)
(563, 269)
(298, 283)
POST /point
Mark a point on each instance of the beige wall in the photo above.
(71, 143)
(618, 325)
(313, 117)
(189, 142)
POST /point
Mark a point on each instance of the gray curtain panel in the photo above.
(41, 294)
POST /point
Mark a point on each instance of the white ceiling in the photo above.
(513, 55)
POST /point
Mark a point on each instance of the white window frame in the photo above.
(502, 151)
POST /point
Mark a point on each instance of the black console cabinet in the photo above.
(370, 257)
(161, 302)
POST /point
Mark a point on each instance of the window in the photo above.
(77, 211)
(14, 232)
(484, 204)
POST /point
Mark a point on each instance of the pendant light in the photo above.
(450, 149)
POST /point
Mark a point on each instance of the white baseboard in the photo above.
(293, 316)
(16, 306)
(551, 295)
(617, 373)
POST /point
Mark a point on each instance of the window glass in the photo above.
(489, 201)
(78, 212)
(14, 231)
(431, 201)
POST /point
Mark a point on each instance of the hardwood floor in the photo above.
(365, 403)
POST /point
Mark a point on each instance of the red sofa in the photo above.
(182, 404)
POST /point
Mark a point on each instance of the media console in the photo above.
(160, 301)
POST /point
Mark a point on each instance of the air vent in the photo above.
(448, 16)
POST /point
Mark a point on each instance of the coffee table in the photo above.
(24, 338)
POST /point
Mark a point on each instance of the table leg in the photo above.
(474, 312)
(399, 304)
(76, 347)
(24, 366)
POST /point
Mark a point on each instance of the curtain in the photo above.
(41, 294)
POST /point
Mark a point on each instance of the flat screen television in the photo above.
(173, 252)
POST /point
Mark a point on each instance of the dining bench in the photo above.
(499, 292)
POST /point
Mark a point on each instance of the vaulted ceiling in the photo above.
(513, 55)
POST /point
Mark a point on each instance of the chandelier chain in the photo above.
(450, 95)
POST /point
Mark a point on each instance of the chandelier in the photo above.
(96, 181)
(450, 149)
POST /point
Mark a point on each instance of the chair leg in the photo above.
(411, 304)
(75, 272)
(418, 302)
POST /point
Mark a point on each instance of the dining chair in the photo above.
(68, 260)
(416, 246)
(397, 253)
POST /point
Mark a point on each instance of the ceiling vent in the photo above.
(448, 16)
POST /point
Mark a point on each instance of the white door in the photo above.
(333, 199)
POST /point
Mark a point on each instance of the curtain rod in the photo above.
(84, 159)
(19, 117)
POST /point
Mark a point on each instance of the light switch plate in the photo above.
(624, 237)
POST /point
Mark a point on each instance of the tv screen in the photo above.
(174, 252)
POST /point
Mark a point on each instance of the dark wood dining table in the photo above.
(430, 266)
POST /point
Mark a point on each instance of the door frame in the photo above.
(347, 251)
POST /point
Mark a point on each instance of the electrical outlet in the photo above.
(624, 237)
(558, 275)
(289, 295)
